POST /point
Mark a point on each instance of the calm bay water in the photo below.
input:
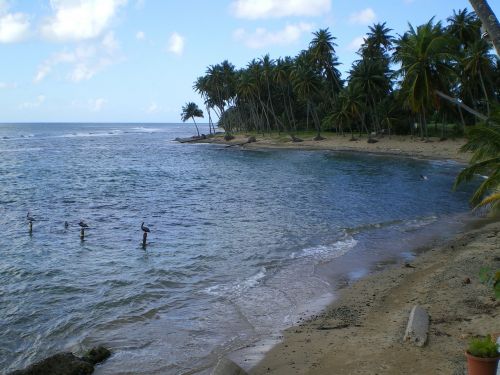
(242, 242)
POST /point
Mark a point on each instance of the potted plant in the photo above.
(482, 356)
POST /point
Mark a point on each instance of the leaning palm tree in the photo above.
(484, 142)
(489, 20)
(190, 111)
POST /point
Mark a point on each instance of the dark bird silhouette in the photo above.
(145, 229)
(29, 217)
(422, 177)
(83, 224)
(66, 225)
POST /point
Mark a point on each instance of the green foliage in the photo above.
(306, 91)
(483, 347)
(484, 143)
(491, 279)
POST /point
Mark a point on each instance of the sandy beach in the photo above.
(394, 145)
(362, 331)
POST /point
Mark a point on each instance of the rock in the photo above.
(418, 326)
(58, 364)
(295, 139)
(227, 367)
(97, 355)
(251, 139)
(372, 140)
(228, 137)
(318, 138)
(67, 363)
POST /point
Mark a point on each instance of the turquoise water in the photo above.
(242, 242)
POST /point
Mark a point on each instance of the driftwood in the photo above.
(191, 139)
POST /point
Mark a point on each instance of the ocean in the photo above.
(243, 243)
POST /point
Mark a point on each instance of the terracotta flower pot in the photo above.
(481, 366)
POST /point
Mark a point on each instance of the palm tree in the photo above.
(308, 86)
(370, 77)
(489, 20)
(478, 68)
(190, 111)
(464, 26)
(378, 41)
(484, 142)
(322, 52)
(425, 57)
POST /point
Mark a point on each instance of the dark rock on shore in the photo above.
(97, 355)
(67, 364)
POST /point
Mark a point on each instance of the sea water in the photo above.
(243, 243)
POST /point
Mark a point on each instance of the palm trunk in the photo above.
(196, 126)
(489, 21)
(485, 93)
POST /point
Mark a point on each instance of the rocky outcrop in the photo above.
(67, 364)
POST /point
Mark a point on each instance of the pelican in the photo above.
(83, 224)
(29, 217)
(145, 229)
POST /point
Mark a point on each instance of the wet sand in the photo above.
(362, 331)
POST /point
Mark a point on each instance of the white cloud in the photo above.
(356, 43)
(153, 108)
(84, 61)
(262, 37)
(363, 17)
(14, 27)
(254, 9)
(140, 35)
(79, 19)
(139, 4)
(40, 99)
(176, 44)
(96, 105)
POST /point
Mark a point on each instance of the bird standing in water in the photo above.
(145, 235)
(82, 225)
(144, 228)
(30, 219)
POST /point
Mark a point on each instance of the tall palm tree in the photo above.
(190, 111)
(308, 86)
(322, 52)
(369, 76)
(464, 26)
(478, 68)
(489, 20)
(425, 56)
(378, 41)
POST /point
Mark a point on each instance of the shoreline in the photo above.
(405, 146)
(369, 317)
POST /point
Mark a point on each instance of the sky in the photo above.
(136, 60)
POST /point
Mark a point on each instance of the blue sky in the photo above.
(136, 60)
